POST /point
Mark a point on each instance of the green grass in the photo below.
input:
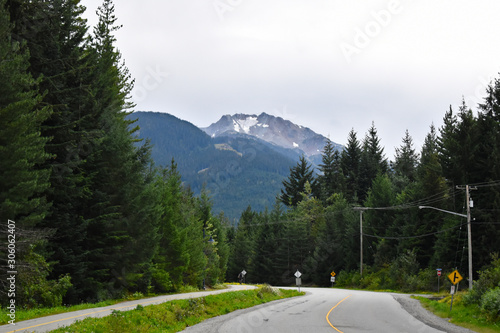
(26, 314)
(468, 316)
(176, 315)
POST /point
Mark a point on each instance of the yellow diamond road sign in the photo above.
(455, 277)
(332, 273)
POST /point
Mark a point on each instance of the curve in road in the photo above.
(347, 311)
(49, 323)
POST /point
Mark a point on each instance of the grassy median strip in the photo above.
(174, 316)
(468, 316)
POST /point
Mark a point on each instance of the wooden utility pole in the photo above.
(467, 189)
(361, 210)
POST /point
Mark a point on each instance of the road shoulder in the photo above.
(414, 308)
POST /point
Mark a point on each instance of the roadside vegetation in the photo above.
(176, 315)
(478, 309)
(463, 314)
(32, 313)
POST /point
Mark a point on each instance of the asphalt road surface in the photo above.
(331, 310)
(49, 323)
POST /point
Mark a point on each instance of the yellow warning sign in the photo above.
(332, 273)
(455, 277)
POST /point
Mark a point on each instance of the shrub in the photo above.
(488, 279)
(490, 303)
(267, 289)
(161, 281)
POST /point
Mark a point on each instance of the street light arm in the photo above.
(442, 210)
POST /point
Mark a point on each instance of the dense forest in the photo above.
(319, 231)
(95, 218)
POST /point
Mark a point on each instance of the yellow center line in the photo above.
(328, 314)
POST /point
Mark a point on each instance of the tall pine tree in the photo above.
(295, 185)
(350, 162)
(373, 161)
(332, 179)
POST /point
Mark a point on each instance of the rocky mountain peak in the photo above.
(275, 130)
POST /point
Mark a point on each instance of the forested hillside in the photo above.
(402, 244)
(236, 170)
(90, 218)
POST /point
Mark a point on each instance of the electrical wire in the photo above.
(486, 184)
(417, 236)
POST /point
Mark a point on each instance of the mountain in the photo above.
(237, 171)
(276, 130)
(240, 166)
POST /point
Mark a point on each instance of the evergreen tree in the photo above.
(296, 182)
(267, 243)
(24, 177)
(294, 250)
(406, 159)
(466, 138)
(448, 144)
(171, 259)
(220, 231)
(242, 247)
(332, 179)
(22, 146)
(121, 181)
(487, 170)
(379, 223)
(373, 161)
(350, 164)
(337, 241)
(54, 33)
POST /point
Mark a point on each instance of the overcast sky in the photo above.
(325, 64)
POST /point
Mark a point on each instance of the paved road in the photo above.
(46, 324)
(331, 310)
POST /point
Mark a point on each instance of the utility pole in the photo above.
(361, 242)
(467, 189)
(361, 210)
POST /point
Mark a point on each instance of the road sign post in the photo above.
(298, 280)
(455, 278)
(439, 275)
(241, 276)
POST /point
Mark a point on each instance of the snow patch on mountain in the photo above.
(275, 130)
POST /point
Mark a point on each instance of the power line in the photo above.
(417, 236)
(487, 184)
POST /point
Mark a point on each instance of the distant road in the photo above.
(49, 323)
(331, 310)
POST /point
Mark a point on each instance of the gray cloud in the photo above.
(406, 61)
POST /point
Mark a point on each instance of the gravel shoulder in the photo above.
(413, 307)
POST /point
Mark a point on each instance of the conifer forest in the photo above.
(94, 218)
